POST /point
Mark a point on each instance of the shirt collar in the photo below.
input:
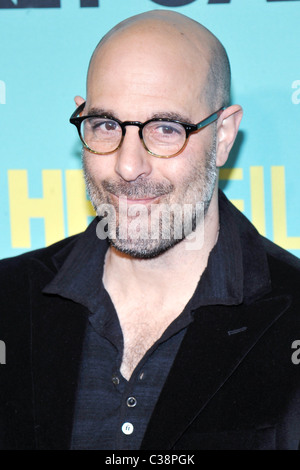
(79, 276)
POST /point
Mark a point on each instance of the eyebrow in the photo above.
(100, 112)
(159, 115)
(173, 116)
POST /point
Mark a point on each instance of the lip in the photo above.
(142, 201)
(129, 201)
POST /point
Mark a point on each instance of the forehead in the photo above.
(147, 67)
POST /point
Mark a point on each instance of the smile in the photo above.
(131, 201)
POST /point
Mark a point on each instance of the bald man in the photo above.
(170, 323)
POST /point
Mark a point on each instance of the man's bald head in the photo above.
(197, 43)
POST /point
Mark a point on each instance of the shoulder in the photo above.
(284, 266)
(283, 256)
(14, 270)
(22, 279)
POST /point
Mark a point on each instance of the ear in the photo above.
(78, 100)
(227, 129)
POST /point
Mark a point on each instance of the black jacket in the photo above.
(233, 385)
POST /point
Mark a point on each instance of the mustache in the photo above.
(137, 189)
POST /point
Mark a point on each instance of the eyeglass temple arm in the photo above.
(78, 111)
(213, 117)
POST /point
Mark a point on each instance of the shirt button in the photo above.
(127, 428)
(131, 402)
(115, 380)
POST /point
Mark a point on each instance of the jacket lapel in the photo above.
(215, 344)
(58, 327)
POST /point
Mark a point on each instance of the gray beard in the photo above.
(148, 247)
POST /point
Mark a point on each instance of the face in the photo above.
(152, 197)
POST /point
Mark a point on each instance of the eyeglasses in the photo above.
(163, 137)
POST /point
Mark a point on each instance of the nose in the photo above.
(132, 160)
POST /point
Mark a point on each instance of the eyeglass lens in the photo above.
(104, 135)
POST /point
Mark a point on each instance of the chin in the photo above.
(143, 249)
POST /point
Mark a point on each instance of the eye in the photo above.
(164, 131)
(101, 126)
(168, 129)
(109, 125)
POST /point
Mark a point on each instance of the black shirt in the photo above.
(111, 412)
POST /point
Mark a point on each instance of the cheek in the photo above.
(98, 167)
(187, 166)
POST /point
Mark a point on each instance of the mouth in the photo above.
(145, 201)
(131, 201)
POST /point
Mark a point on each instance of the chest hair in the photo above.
(140, 334)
